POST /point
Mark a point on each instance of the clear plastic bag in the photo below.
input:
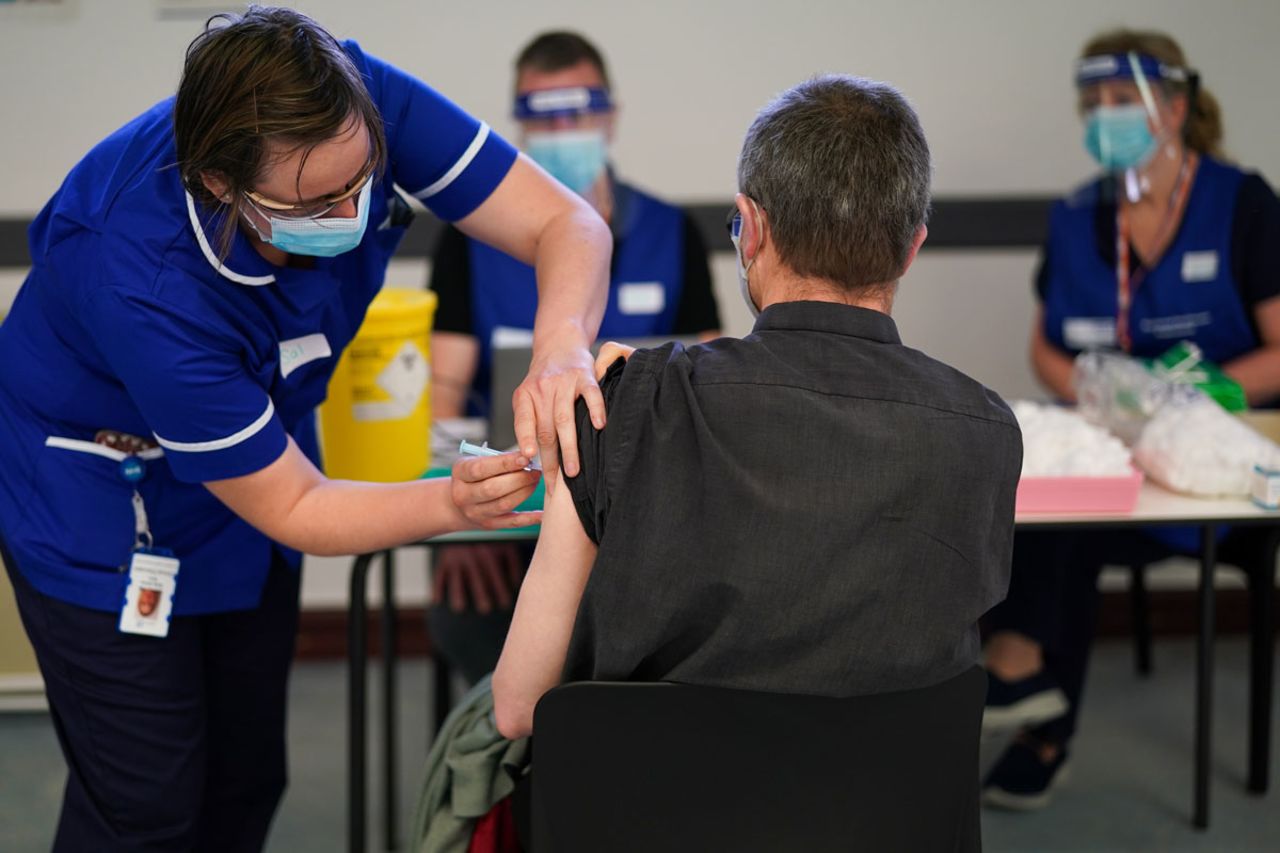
(1120, 394)
(1193, 445)
(1180, 437)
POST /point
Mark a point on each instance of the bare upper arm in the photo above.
(514, 215)
(266, 497)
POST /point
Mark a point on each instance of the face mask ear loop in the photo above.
(755, 214)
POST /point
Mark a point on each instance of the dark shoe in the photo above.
(1023, 703)
(1021, 779)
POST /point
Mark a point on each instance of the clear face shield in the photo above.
(1125, 126)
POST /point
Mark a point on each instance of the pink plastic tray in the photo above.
(1078, 494)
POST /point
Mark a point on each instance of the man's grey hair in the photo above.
(841, 167)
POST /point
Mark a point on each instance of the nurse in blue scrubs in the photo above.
(1172, 243)
(194, 280)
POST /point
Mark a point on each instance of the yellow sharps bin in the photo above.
(376, 422)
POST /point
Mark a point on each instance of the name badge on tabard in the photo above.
(1081, 333)
(1200, 266)
(642, 297)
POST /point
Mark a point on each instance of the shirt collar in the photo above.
(829, 317)
(256, 268)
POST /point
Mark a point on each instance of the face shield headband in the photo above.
(562, 103)
(1140, 68)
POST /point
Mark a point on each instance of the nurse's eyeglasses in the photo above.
(312, 209)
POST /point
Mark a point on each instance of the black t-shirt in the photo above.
(451, 280)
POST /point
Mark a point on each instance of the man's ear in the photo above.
(915, 247)
(216, 184)
(753, 228)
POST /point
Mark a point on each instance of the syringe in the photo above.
(468, 449)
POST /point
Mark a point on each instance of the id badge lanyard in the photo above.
(153, 572)
(1126, 284)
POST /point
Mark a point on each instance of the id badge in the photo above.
(148, 600)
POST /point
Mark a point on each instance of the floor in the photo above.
(1130, 788)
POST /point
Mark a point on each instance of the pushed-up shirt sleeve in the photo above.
(590, 488)
(445, 158)
(211, 416)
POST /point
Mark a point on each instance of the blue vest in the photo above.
(1190, 294)
(645, 284)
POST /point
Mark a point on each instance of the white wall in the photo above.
(991, 80)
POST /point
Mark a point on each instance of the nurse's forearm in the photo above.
(1054, 368)
(291, 502)
(572, 262)
(338, 517)
(1258, 373)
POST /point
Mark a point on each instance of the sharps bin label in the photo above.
(387, 389)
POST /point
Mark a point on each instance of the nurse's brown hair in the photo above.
(1203, 130)
(269, 74)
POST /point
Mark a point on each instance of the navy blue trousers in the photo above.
(171, 744)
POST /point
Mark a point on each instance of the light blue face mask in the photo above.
(575, 158)
(324, 237)
(1119, 138)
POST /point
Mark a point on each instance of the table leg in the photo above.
(356, 661)
(391, 787)
(442, 693)
(1204, 677)
(1262, 591)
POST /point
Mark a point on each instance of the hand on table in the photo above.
(486, 574)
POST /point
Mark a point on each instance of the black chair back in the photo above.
(623, 767)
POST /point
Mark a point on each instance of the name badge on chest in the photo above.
(1200, 266)
(641, 297)
(1082, 333)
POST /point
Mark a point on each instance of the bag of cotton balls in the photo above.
(1058, 442)
(1194, 446)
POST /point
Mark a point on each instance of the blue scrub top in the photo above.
(128, 321)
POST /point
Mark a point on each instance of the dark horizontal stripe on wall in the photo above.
(956, 223)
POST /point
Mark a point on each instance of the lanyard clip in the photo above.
(142, 538)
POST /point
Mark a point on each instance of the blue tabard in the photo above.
(1190, 294)
(645, 284)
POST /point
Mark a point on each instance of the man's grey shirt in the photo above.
(814, 508)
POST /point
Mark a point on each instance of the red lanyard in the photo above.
(1125, 287)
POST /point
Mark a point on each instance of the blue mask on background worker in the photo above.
(1119, 138)
(324, 237)
(575, 158)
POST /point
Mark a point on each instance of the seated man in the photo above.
(660, 285)
(815, 508)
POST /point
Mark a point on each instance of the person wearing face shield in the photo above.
(194, 281)
(660, 285)
(1170, 243)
